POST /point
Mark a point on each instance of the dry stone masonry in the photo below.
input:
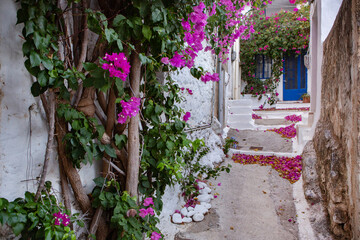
(336, 139)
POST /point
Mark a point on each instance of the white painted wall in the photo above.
(200, 104)
(322, 15)
(22, 154)
(329, 11)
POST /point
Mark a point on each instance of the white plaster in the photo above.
(200, 103)
(329, 11)
(22, 155)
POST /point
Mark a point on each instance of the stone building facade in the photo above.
(336, 140)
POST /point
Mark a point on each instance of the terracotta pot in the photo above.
(306, 99)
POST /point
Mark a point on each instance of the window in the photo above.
(263, 67)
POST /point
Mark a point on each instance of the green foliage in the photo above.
(229, 142)
(164, 138)
(34, 220)
(79, 140)
(283, 34)
(124, 210)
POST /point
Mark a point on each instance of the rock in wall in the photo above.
(336, 136)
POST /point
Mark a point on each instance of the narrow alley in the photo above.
(253, 201)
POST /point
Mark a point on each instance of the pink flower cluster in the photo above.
(61, 218)
(286, 132)
(117, 65)
(144, 212)
(186, 116)
(129, 109)
(254, 116)
(210, 77)
(194, 35)
(288, 167)
(188, 90)
(293, 118)
(233, 15)
(155, 236)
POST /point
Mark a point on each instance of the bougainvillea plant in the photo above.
(95, 71)
(276, 36)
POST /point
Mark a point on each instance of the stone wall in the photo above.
(336, 136)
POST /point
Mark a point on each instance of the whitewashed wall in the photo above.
(200, 103)
(22, 154)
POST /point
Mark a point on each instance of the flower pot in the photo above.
(306, 99)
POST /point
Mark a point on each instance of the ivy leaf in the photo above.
(111, 35)
(21, 16)
(35, 89)
(29, 27)
(144, 59)
(119, 85)
(17, 228)
(89, 66)
(110, 151)
(170, 145)
(119, 44)
(42, 78)
(146, 30)
(144, 9)
(118, 20)
(156, 15)
(26, 48)
(48, 64)
(35, 59)
(120, 140)
(158, 109)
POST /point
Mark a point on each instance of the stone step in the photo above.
(241, 126)
(285, 104)
(240, 102)
(239, 118)
(265, 153)
(240, 109)
(260, 140)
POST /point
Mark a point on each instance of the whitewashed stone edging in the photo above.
(196, 214)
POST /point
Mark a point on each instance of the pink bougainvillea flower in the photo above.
(177, 60)
(165, 60)
(129, 109)
(219, 184)
(150, 211)
(210, 77)
(288, 167)
(186, 116)
(61, 218)
(148, 201)
(215, 196)
(296, 9)
(254, 116)
(293, 118)
(155, 236)
(292, 1)
(286, 132)
(143, 212)
(117, 65)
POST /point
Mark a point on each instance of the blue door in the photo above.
(295, 77)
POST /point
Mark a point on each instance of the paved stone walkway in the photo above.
(254, 202)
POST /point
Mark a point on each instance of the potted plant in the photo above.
(305, 97)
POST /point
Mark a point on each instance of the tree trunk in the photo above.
(132, 176)
(71, 172)
(49, 145)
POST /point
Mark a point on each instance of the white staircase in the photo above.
(239, 114)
